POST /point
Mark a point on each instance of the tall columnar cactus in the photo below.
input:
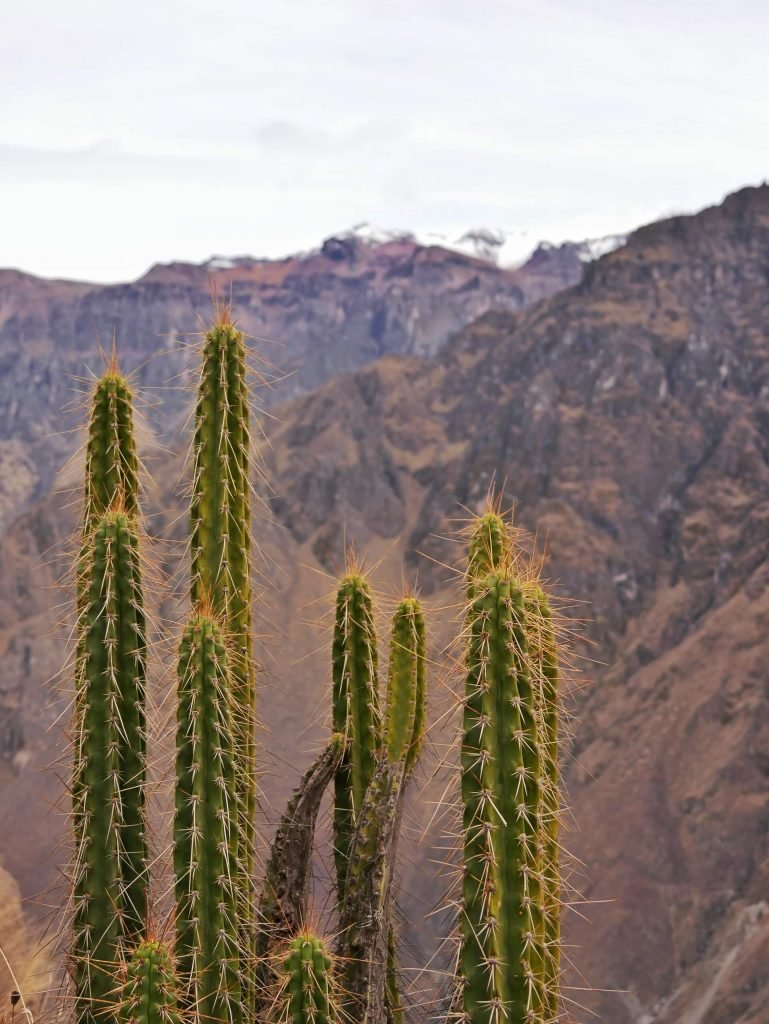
(149, 991)
(404, 733)
(366, 941)
(307, 990)
(543, 656)
(206, 826)
(221, 567)
(502, 921)
(356, 714)
(110, 869)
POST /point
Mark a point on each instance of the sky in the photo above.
(162, 130)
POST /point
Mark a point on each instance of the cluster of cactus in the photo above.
(242, 952)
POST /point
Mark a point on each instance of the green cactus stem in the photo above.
(501, 922)
(543, 655)
(221, 522)
(111, 468)
(220, 518)
(307, 991)
(356, 714)
(404, 732)
(149, 991)
(206, 827)
(110, 870)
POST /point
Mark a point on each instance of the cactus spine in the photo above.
(502, 918)
(149, 992)
(221, 569)
(356, 714)
(109, 770)
(206, 827)
(307, 991)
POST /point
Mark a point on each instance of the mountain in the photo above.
(314, 315)
(626, 418)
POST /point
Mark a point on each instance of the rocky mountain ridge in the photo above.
(626, 418)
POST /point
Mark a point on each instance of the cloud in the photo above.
(366, 133)
(285, 135)
(550, 118)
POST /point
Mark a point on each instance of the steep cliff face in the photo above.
(627, 420)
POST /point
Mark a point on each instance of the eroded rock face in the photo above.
(627, 419)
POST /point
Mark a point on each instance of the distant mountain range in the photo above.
(622, 404)
(493, 245)
(312, 316)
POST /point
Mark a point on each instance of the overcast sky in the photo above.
(156, 130)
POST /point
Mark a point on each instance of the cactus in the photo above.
(149, 991)
(356, 714)
(206, 826)
(307, 991)
(544, 666)
(220, 518)
(111, 470)
(501, 922)
(366, 940)
(404, 732)
(109, 767)
(111, 462)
